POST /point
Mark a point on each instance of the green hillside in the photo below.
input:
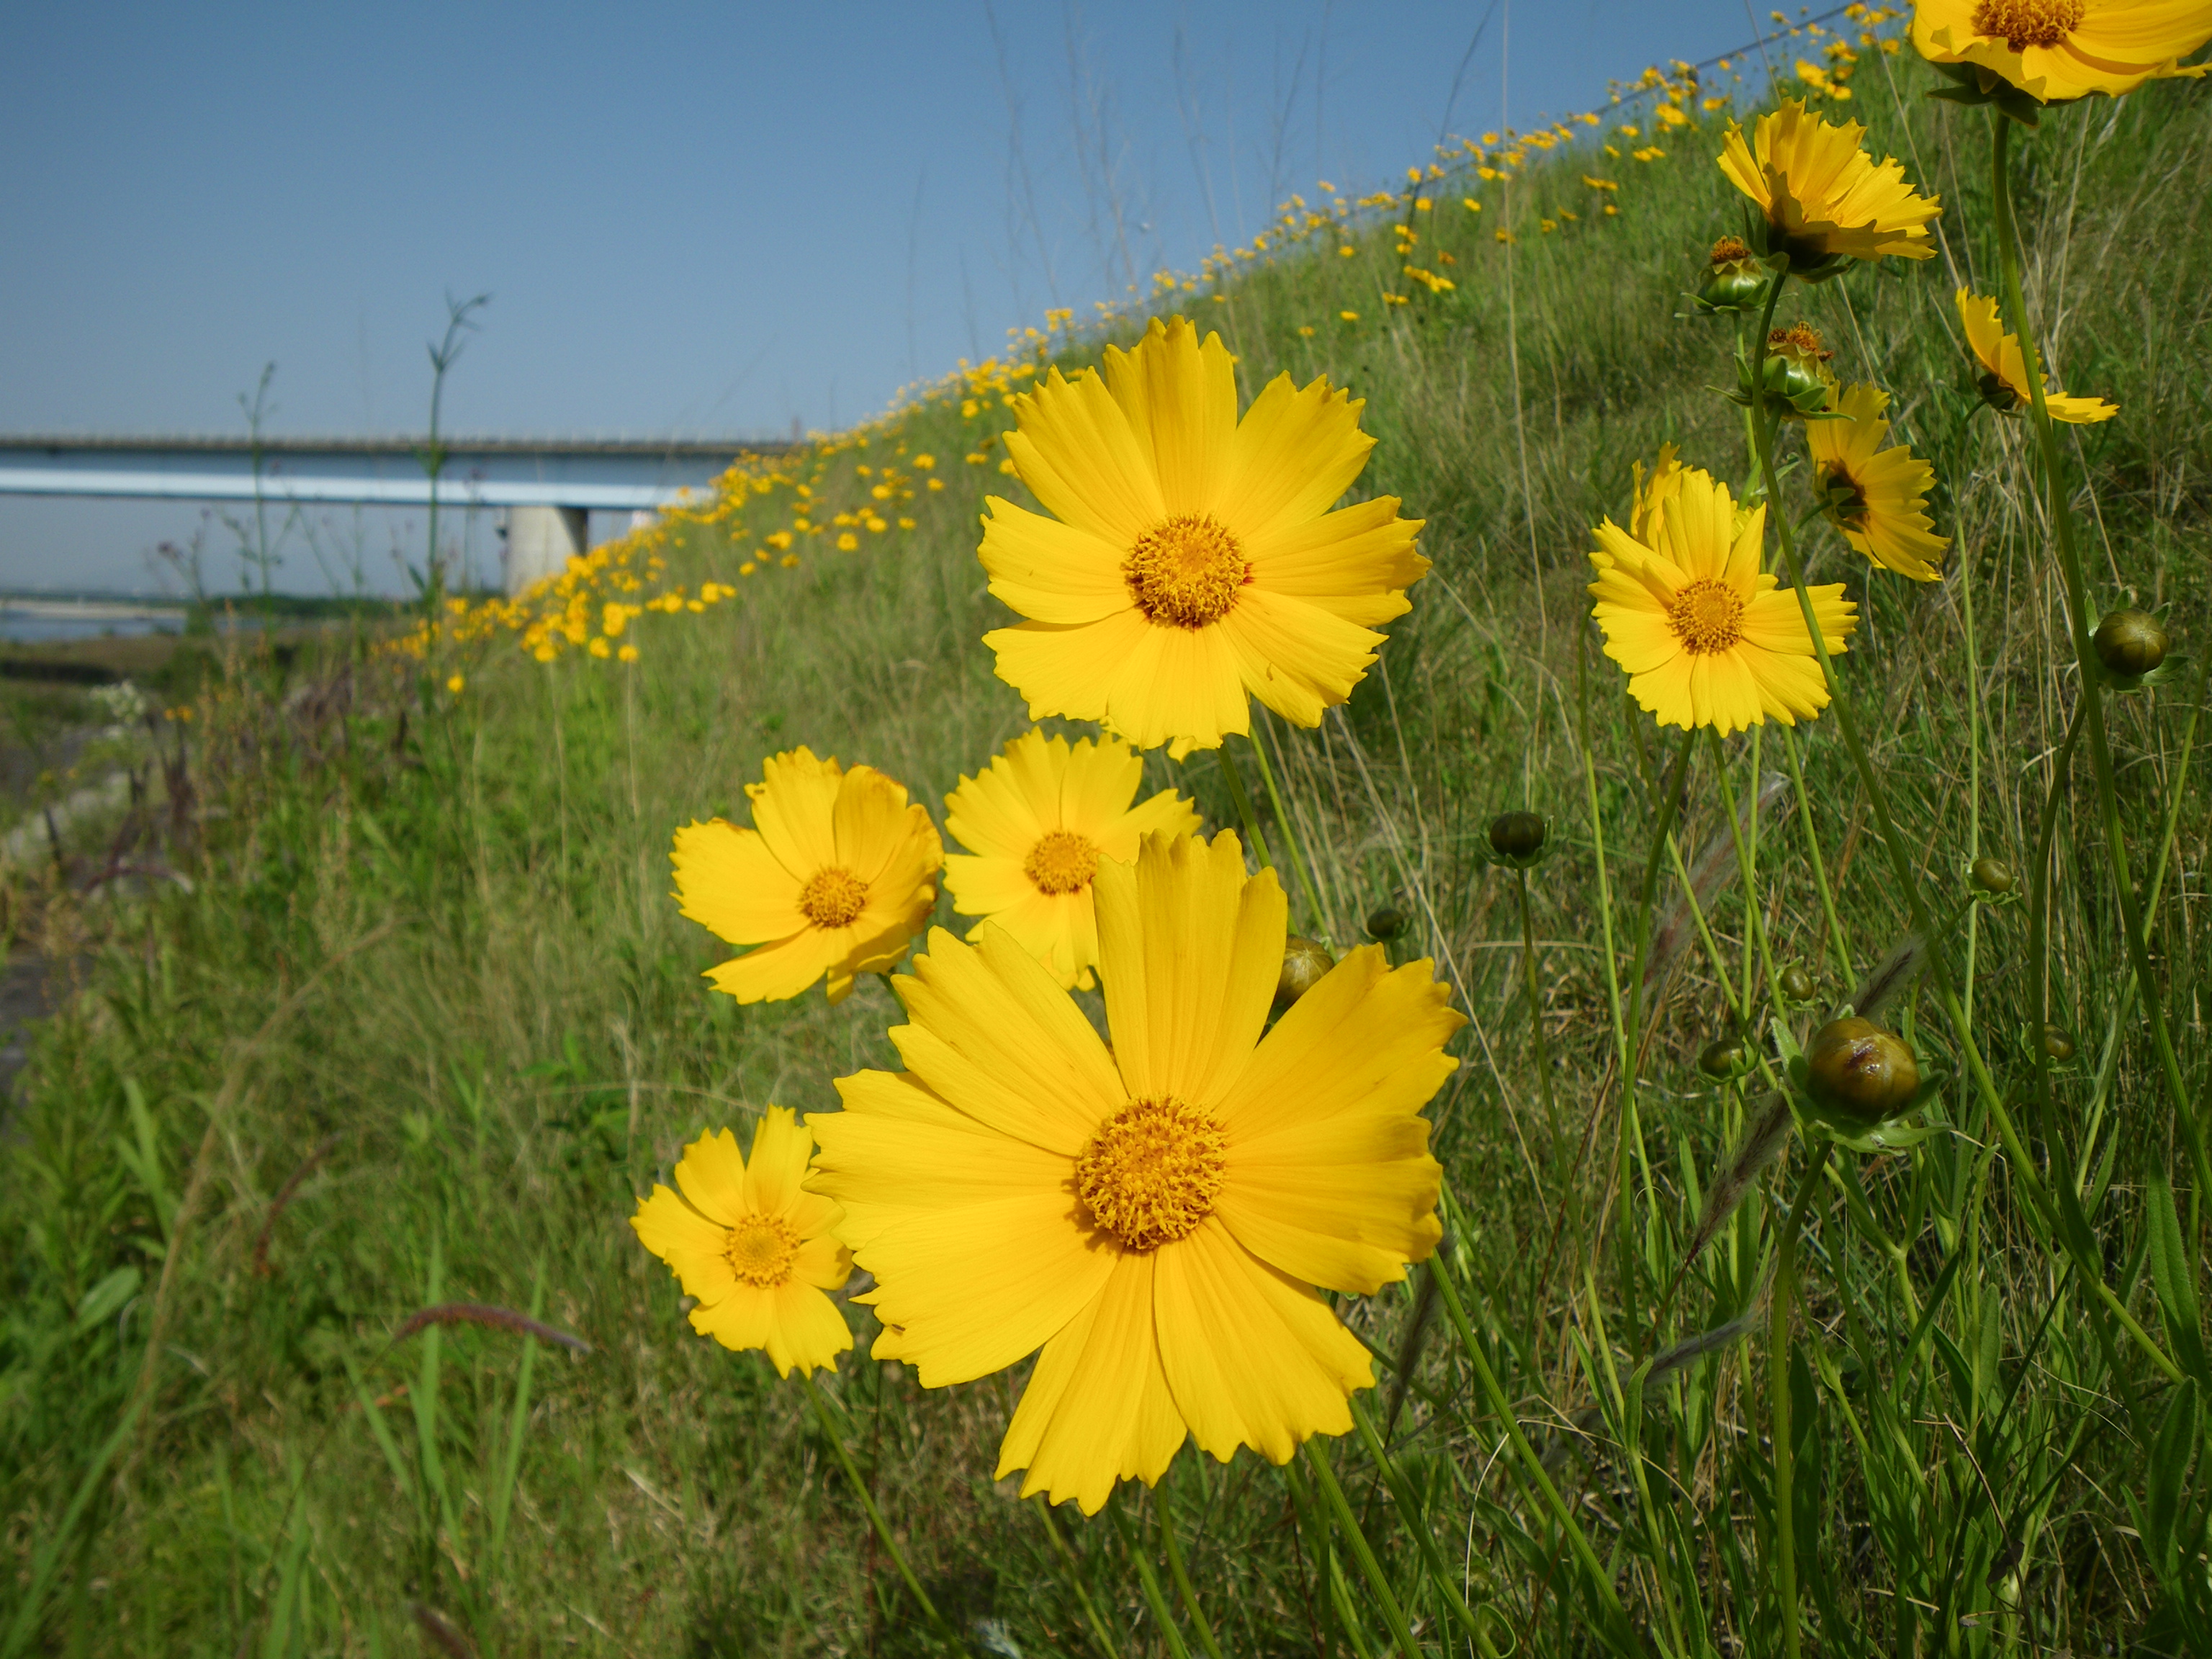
(385, 1004)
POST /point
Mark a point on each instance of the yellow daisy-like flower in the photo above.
(1875, 496)
(753, 1246)
(1823, 196)
(1039, 817)
(1707, 637)
(1155, 1214)
(2004, 368)
(1191, 557)
(2055, 50)
(832, 879)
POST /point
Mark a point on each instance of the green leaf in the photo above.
(2169, 1464)
(106, 1299)
(2173, 1275)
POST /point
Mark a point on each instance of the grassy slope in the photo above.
(448, 943)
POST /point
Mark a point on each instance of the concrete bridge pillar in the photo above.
(540, 542)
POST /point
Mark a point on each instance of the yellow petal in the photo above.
(777, 1163)
(793, 806)
(712, 1173)
(995, 1035)
(728, 880)
(1295, 452)
(1253, 1357)
(805, 1331)
(1190, 951)
(1296, 658)
(1050, 571)
(778, 970)
(695, 1249)
(1097, 1408)
(1180, 398)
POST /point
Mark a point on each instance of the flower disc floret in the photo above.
(1186, 572)
(1061, 862)
(833, 897)
(1151, 1172)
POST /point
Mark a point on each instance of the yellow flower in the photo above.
(832, 879)
(1038, 820)
(1153, 1214)
(1191, 557)
(1875, 496)
(2054, 50)
(1824, 198)
(2004, 368)
(753, 1246)
(1706, 637)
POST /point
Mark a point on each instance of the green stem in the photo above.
(1290, 834)
(1423, 1534)
(1536, 1016)
(1748, 869)
(1598, 1582)
(1163, 1509)
(2039, 915)
(1778, 1388)
(1370, 1568)
(1243, 804)
(1075, 1577)
(1820, 867)
(2077, 617)
(875, 1515)
(1633, 1030)
(2030, 1186)
(1149, 1582)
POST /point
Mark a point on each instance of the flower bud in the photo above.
(1725, 1058)
(1990, 876)
(1734, 280)
(1304, 963)
(1518, 835)
(1797, 984)
(2058, 1043)
(1385, 924)
(2129, 643)
(1795, 372)
(1859, 1072)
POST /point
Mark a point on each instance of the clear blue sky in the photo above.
(691, 218)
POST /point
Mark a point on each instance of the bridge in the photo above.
(544, 488)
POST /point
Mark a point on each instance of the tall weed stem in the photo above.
(2053, 1223)
(830, 1433)
(2077, 618)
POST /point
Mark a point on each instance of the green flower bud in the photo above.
(1860, 1072)
(1304, 963)
(1725, 1058)
(2129, 643)
(2058, 1043)
(1518, 835)
(1990, 876)
(1385, 924)
(1734, 280)
(1795, 371)
(1797, 984)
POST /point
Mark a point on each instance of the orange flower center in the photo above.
(1151, 1172)
(1706, 616)
(2024, 23)
(1729, 249)
(1802, 337)
(832, 897)
(760, 1250)
(1186, 572)
(1061, 862)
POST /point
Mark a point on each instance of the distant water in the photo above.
(28, 628)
